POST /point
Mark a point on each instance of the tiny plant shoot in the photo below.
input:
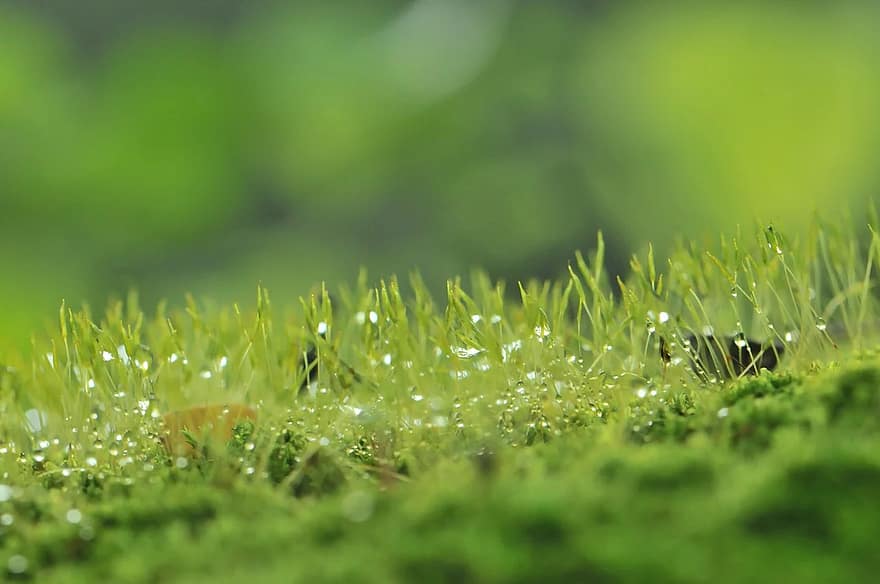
(713, 415)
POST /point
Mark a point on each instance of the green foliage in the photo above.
(480, 439)
(206, 148)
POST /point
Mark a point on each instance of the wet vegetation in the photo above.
(715, 417)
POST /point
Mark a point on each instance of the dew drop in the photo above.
(74, 516)
(17, 564)
(542, 332)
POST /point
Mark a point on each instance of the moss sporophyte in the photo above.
(587, 429)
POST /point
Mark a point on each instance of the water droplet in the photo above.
(91, 461)
(374, 317)
(123, 354)
(181, 462)
(496, 318)
(649, 325)
(722, 413)
(173, 358)
(509, 349)
(249, 446)
(107, 356)
(205, 374)
(664, 317)
(5, 493)
(74, 516)
(465, 352)
(733, 292)
(417, 397)
(7, 519)
(35, 420)
(17, 564)
(324, 441)
(476, 318)
(542, 332)
(386, 359)
(821, 325)
(323, 328)
(358, 506)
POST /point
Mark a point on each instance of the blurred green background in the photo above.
(207, 146)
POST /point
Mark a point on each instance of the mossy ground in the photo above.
(482, 439)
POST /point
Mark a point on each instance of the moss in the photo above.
(856, 394)
(285, 454)
(765, 384)
(320, 473)
(490, 441)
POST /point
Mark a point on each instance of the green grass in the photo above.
(494, 435)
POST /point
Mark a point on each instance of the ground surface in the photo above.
(545, 435)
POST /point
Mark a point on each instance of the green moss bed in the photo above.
(563, 431)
